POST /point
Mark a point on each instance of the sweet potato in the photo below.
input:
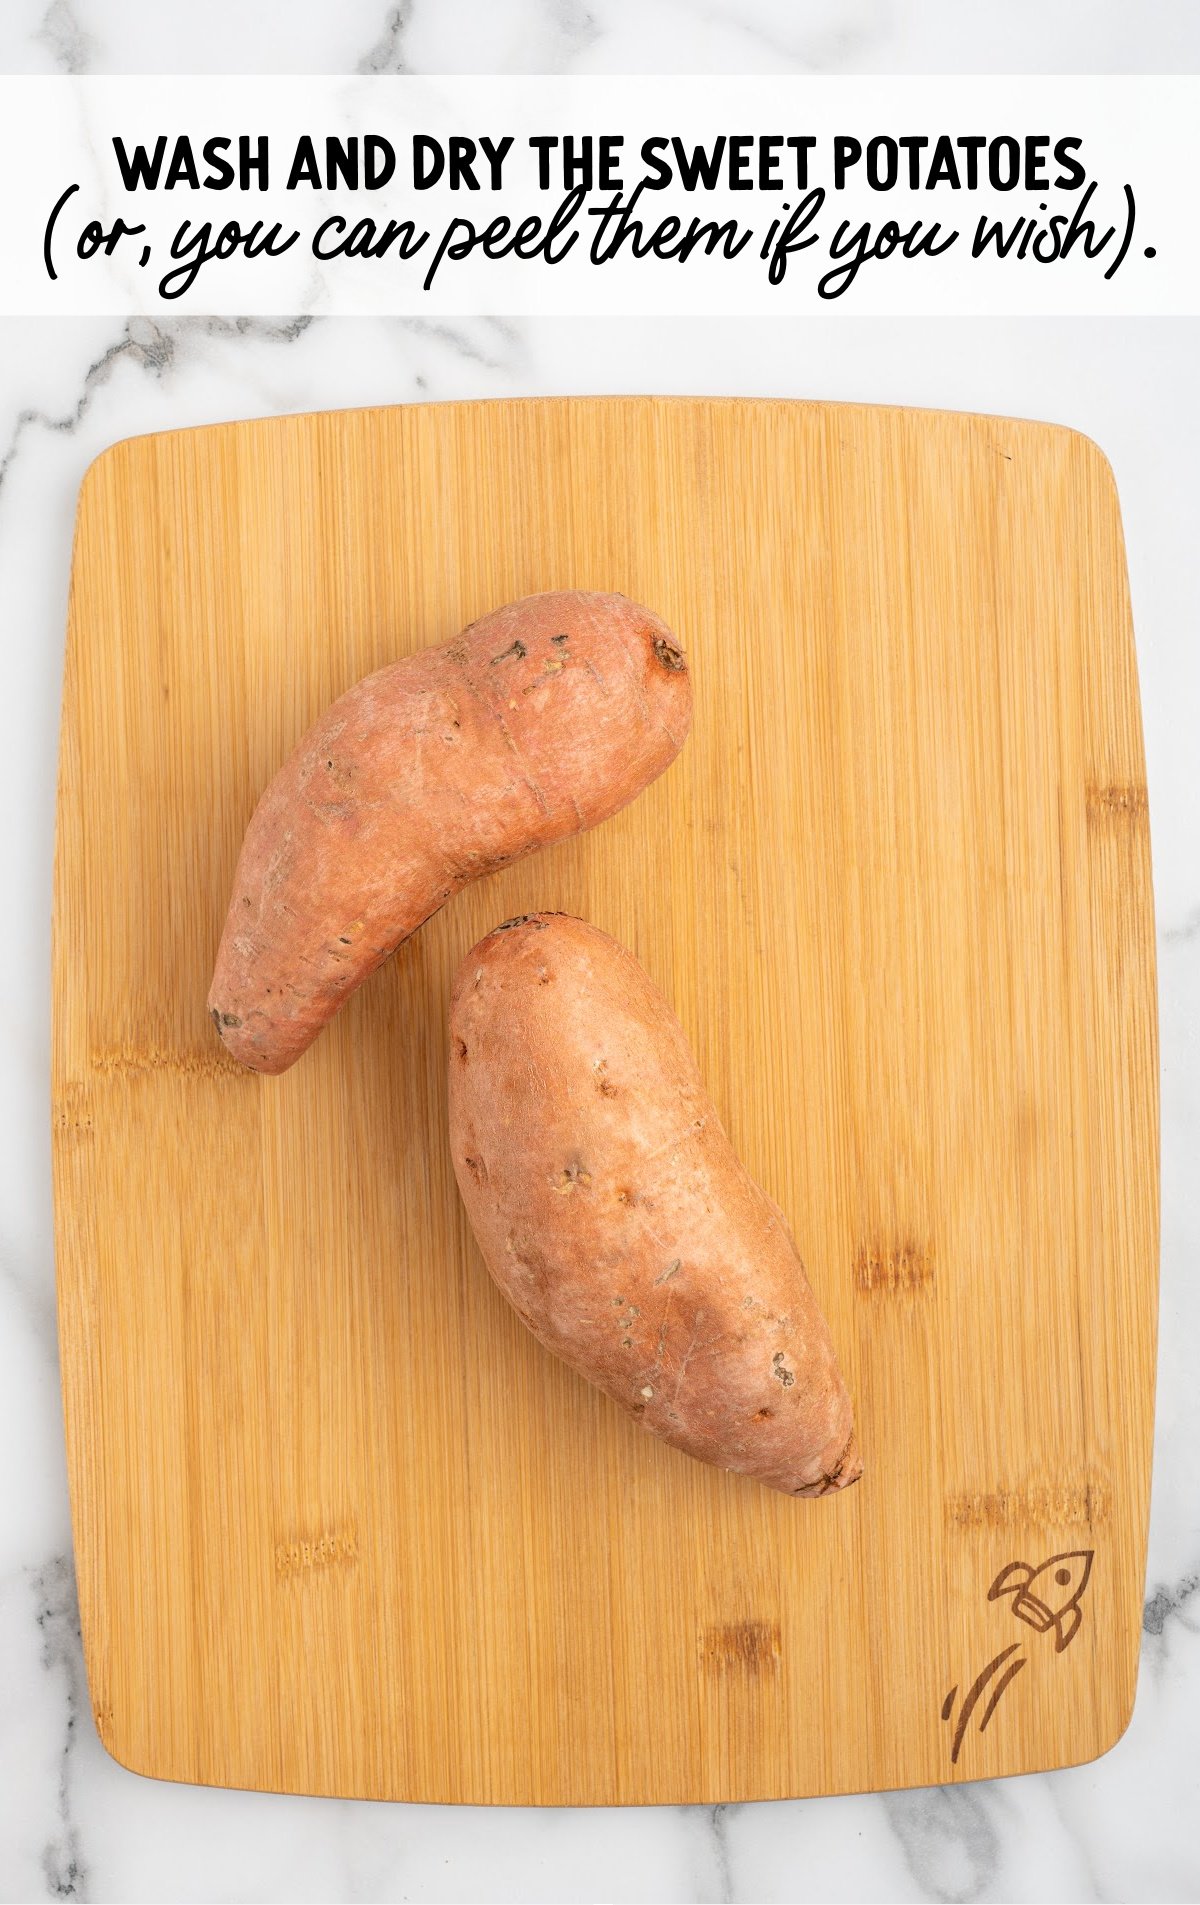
(616, 1218)
(538, 721)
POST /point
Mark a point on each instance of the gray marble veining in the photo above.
(153, 347)
(950, 1841)
(386, 54)
(1173, 1603)
(56, 1614)
(70, 46)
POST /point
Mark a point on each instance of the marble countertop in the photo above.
(72, 1823)
(601, 36)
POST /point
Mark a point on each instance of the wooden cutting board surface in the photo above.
(341, 1525)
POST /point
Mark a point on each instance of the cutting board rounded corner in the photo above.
(330, 1528)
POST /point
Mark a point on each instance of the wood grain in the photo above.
(341, 1525)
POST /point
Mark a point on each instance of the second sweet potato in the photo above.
(615, 1216)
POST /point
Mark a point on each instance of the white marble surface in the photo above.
(601, 36)
(73, 1824)
(69, 1818)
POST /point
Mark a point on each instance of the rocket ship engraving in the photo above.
(1047, 1599)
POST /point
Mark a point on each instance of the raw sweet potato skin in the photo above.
(536, 722)
(615, 1216)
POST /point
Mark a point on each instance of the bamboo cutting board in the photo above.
(341, 1525)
